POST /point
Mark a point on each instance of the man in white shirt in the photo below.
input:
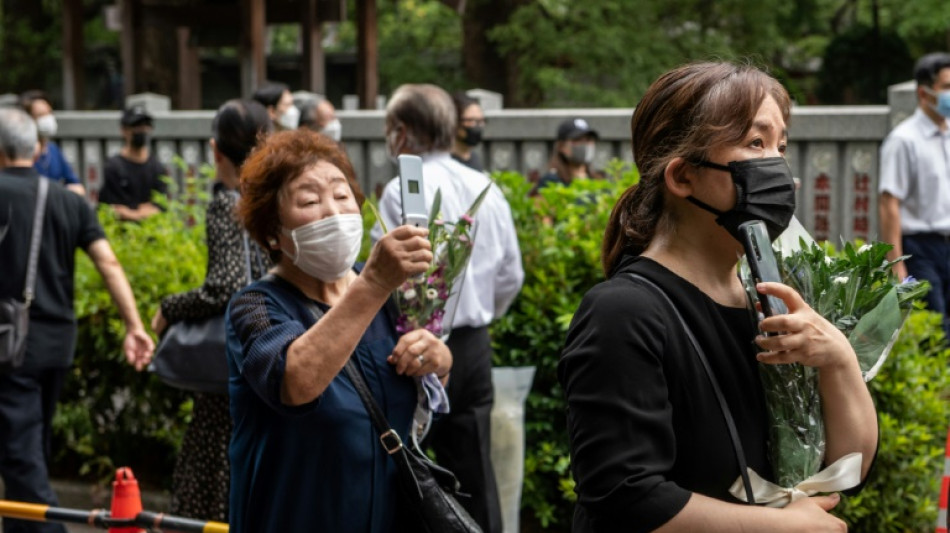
(914, 203)
(420, 119)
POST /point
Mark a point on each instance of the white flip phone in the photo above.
(414, 210)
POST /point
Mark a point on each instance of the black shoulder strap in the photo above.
(726, 413)
(38, 217)
(388, 437)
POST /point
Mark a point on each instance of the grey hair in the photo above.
(17, 133)
(428, 114)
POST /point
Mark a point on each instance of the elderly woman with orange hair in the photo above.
(304, 455)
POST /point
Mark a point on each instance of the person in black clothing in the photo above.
(200, 482)
(132, 175)
(649, 446)
(471, 128)
(572, 156)
(28, 394)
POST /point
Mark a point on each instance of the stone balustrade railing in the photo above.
(834, 151)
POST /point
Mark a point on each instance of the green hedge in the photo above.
(112, 416)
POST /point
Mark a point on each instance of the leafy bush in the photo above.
(111, 415)
(560, 234)
(911, 397)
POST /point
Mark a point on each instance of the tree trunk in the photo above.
(485, 66)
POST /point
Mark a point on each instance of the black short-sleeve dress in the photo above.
(645, 427)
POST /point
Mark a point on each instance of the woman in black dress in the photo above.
(200, 482)
(649, 444)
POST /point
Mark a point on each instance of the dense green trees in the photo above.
(591, 53)
(605, 52)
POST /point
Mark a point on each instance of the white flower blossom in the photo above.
(828, 260)
(432, 294)
(841, 280)
(864, 248)
(410, 294)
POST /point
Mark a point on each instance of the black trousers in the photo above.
(462, 439)
(27, 403)
(930, 260)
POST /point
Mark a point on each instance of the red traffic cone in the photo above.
(126, 500)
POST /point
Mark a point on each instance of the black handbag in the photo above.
(192, 355)
(15, 315)
(428, 489)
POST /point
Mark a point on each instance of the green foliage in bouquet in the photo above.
(422, 300)
(856, 291)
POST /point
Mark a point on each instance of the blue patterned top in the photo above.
(313, 467)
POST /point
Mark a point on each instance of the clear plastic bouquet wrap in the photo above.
(857, 292)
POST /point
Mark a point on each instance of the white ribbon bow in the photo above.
(842, 474)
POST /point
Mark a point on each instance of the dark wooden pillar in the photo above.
(131, 44)
(314, 67)
(74, 79)
(189, 71)
(253, 60)
(367, 75)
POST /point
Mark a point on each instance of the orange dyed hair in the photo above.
(278, 160)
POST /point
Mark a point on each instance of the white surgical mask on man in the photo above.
(327, 248)
(46, 126)
(333, 130)
(290, 119)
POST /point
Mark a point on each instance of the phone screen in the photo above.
(413, 187)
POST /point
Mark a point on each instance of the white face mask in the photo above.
(290, 119)
(327, 248)
(46, 126)
(333, 130)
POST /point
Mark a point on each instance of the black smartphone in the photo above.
(762, 263)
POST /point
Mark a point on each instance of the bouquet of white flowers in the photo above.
(856, 291)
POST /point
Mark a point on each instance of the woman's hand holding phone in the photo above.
(801, 335)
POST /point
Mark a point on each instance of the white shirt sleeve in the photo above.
(390, 210)
(897, 162)
(510, 274)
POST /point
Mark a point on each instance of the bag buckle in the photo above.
(391, 441)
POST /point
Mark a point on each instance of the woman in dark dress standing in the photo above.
(650, 448)
(200, 482)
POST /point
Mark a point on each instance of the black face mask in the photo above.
(139, 139)
(764, 191)
(473, 135)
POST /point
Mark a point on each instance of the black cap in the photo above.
(929, 66)
(573, 128)
(136, 116)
